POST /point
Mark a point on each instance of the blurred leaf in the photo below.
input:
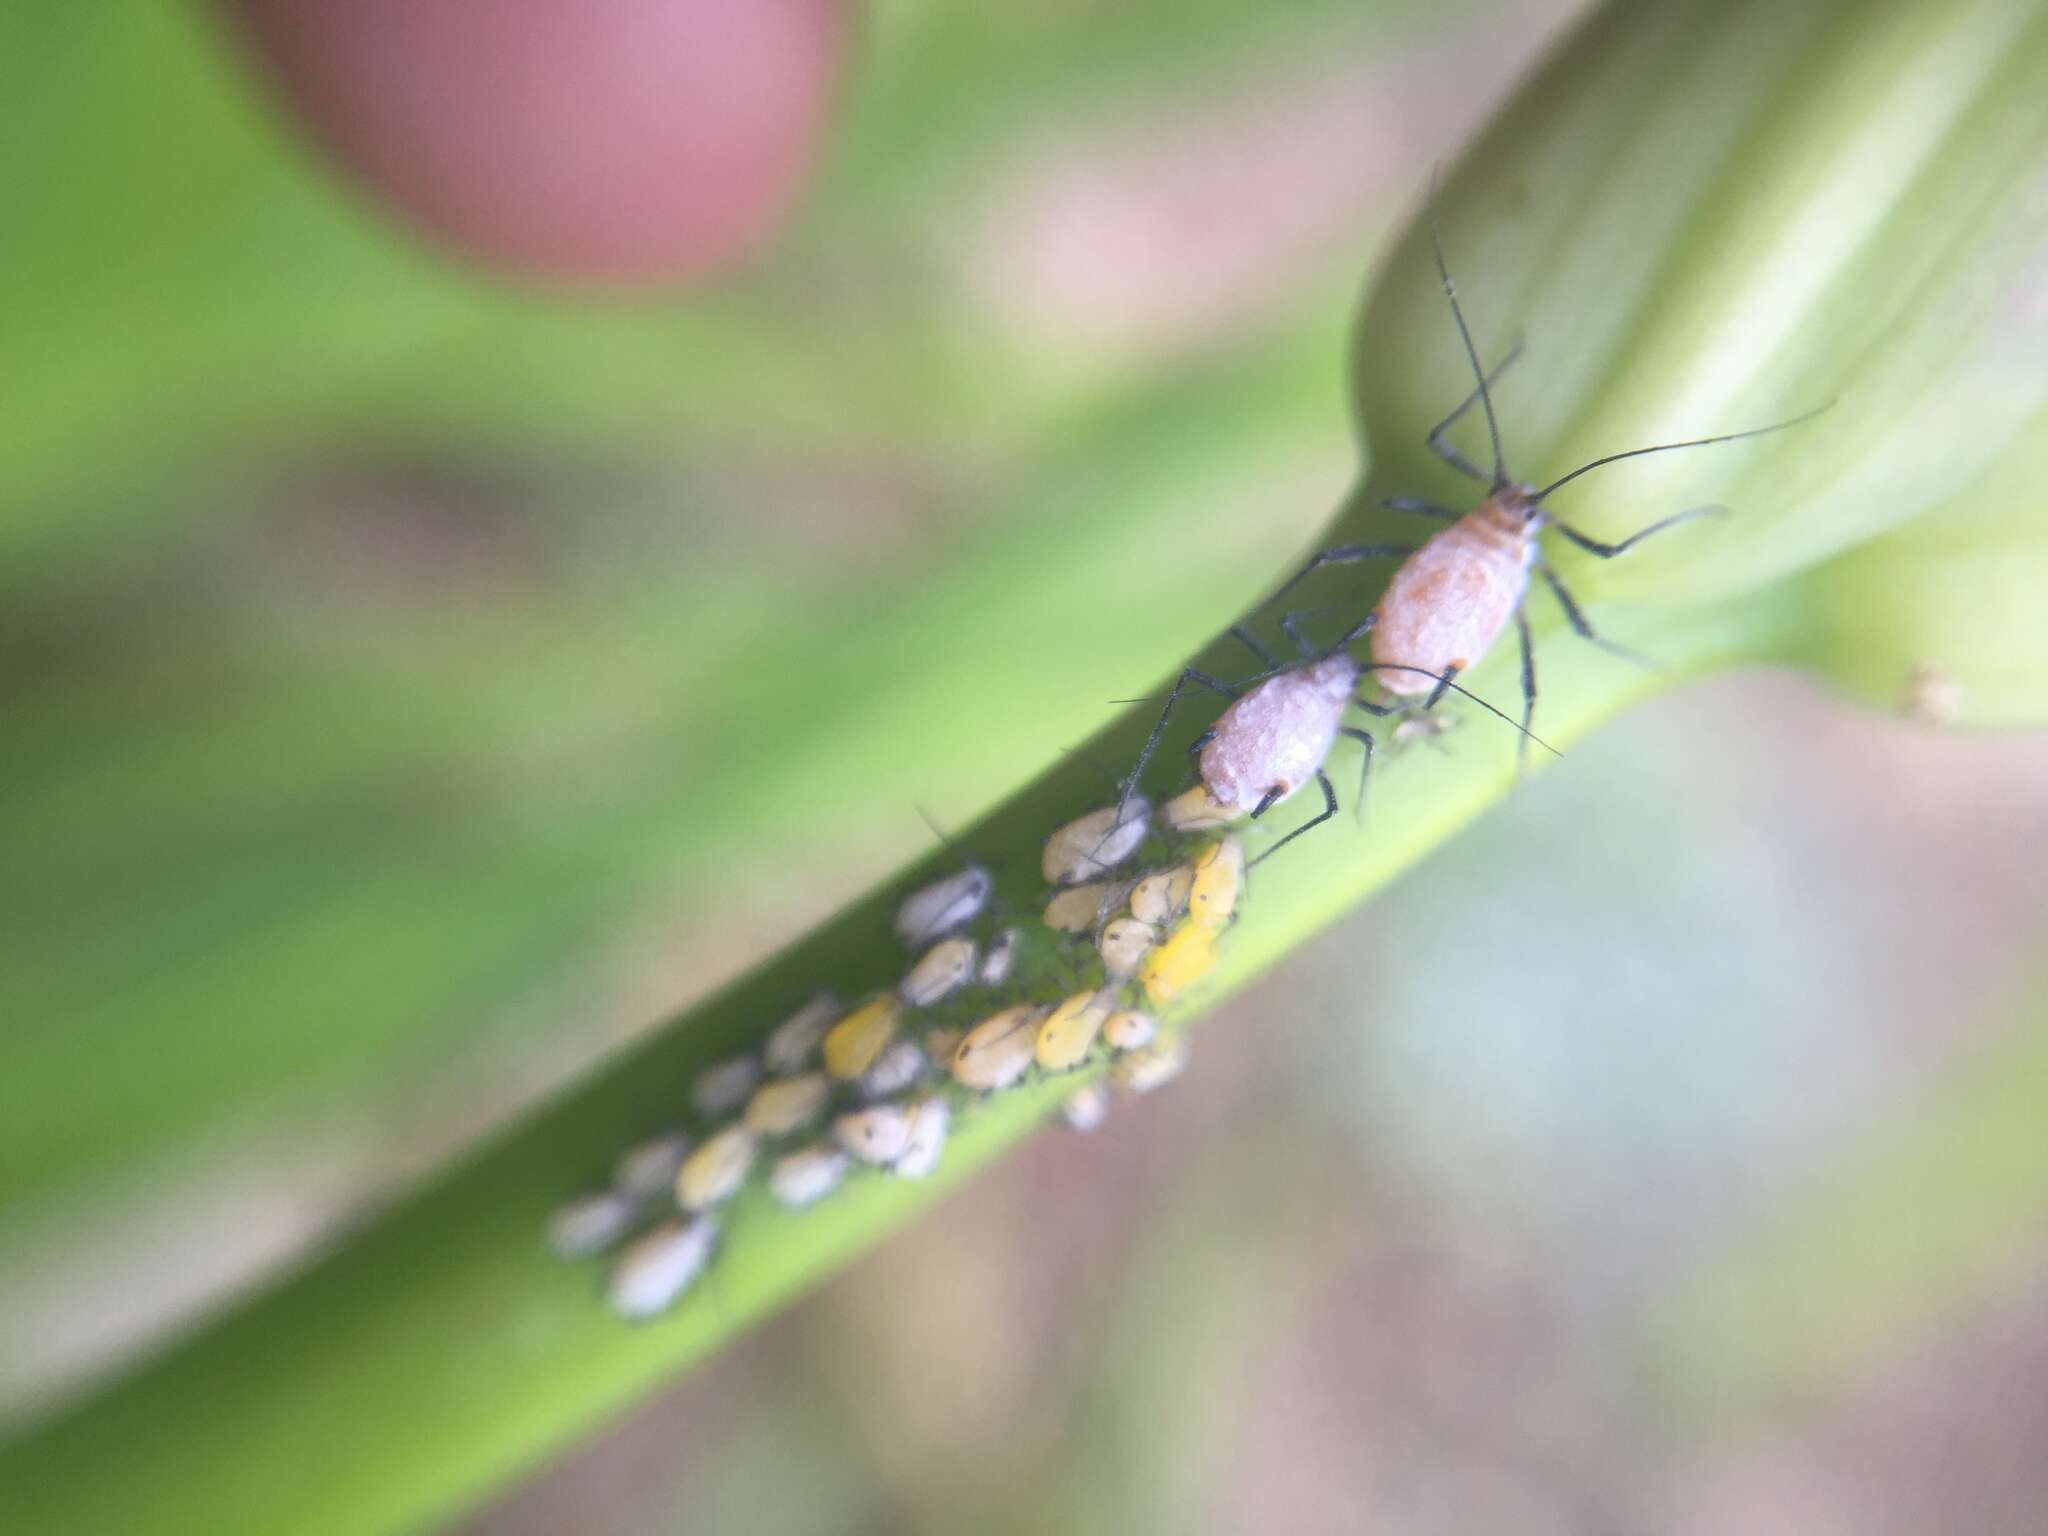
(1699, 212)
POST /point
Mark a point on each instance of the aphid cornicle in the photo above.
(1450, 599)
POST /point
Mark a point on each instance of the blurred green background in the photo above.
(416, 687)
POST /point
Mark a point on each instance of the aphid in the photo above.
(1184, 959)
(1090, 846)
(1159, 898)
(648, 1168)
(1277, 732)
(1069, 1031)
(793, 1041)
(805, 1177)
(896, 1069)
(1219, 878)
(1081, 907)
(930, 1119)
(1130, 1030)
(1124, 944)
(1197, 810)
(998, 1050)
(659, 1266)
(785, 1105)
(934, 910)
(940, 972)
(1449, 599)
(877, 1134)
(852, 1044)
(1086, 1107)
(591, 1223)
(713, 1173)
(724, 1086)
(1001, 958)
(1151, 1067)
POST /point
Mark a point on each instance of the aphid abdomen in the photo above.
(1272, 741)
(1450, 600)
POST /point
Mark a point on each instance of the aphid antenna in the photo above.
(1694, 442)
(1443, 271)
(959, 850)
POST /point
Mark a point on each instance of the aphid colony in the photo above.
(874, 1083)
(839, 1089)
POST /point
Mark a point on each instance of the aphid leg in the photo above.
(1189, 675)
(1423, 508)
(1528, 690)
(1290, 626)
(1442, 447)
(1609, 551)
(1252, 643)
(1444, 681)
(1364, 739)
(1348, 554)
(1583, 627)
(1329, 810)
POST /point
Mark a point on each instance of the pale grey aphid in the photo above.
(649, 1168)
(659, 1266)
(940, 971)
(795, 1040)
(1090, 846)
(724, 1086)
(934, 910)
(1001, 958)
(806, 1177)
(591, 1223)
(898, 1067)
(929, 1121)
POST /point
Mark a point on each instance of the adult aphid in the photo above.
(1280, 726)
(1450, 598)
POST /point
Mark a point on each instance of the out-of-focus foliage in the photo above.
(282, 836)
